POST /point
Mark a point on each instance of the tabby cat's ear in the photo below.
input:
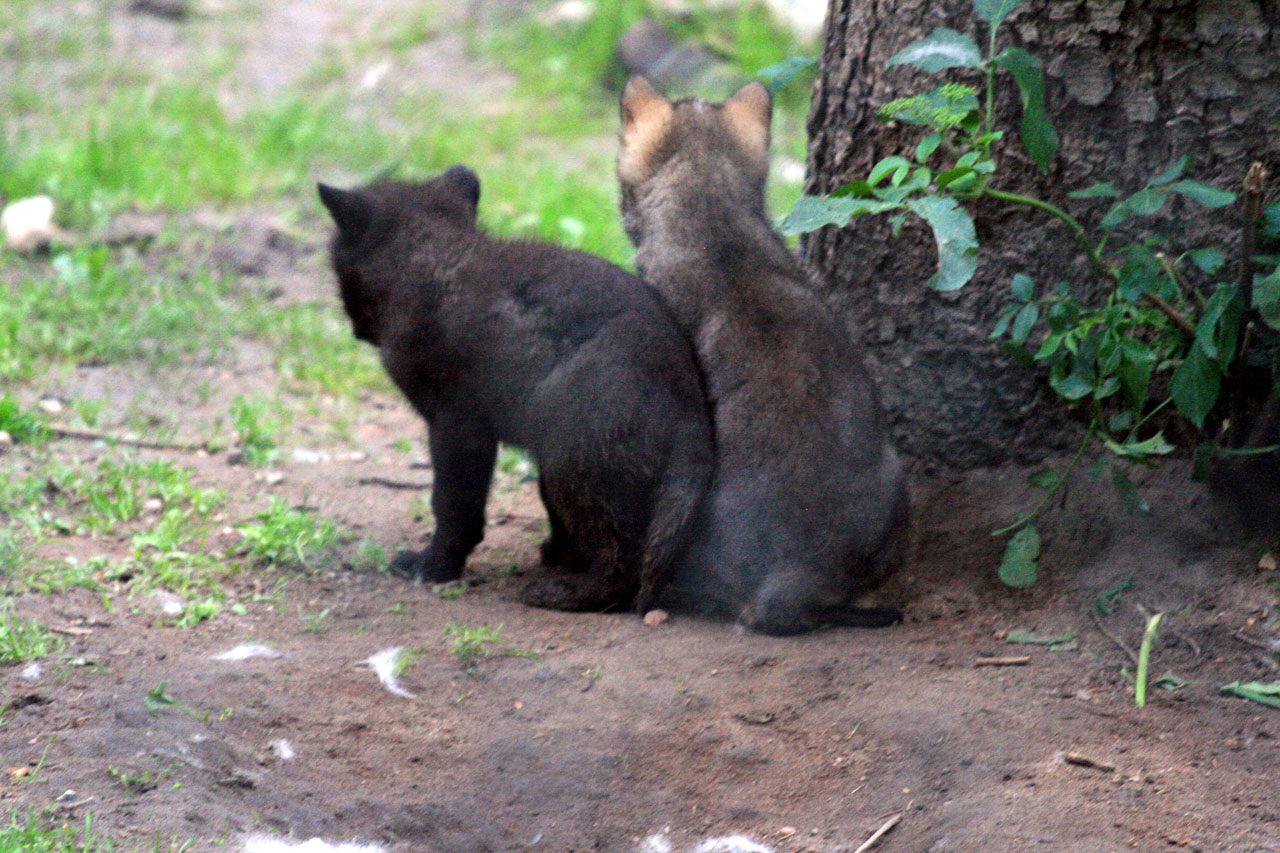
(466, 183)
(747, 114)
(645, 115)
(352, 210)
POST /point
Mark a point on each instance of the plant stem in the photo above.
(1182, 284)
(1077, 230)
(1172, 313)
(1251, 207)
(991, 82)
(1022, 522)
(1144, 659)
(1095, 258)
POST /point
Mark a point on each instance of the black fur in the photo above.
(554, 351)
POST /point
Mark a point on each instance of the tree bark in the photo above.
(1131, 86)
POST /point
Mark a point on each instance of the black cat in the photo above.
(551, 350)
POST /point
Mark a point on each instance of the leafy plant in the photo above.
(1144, 658)
(470, 643)
(285, 536)
(23, 425)
(22, 640)
(1168, 339)
(34, 833)
(257, 432)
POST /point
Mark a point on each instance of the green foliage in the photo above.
(1144, 658)
(1021, 555)
(34, 833)
(22, 640)
(940, 50)
(470, 643)
(256, 430)
(780, 74)
(284, 536)
(1255, 691)
(1164, 341)
(23, 425)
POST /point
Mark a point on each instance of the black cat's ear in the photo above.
(466, 182)
(352, 210)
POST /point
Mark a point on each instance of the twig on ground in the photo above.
(125, 438)
(879, 833)
(1130, 653)
(1269, 645)
(1084, 761)
(1020, 660)
(1191, 644)
(388, 483)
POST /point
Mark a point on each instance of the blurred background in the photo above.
(177, 105)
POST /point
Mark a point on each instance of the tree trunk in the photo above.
(1131, 86)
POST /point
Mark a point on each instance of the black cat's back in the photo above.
(549, 349)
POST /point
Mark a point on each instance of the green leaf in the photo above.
(777, 76)
(1103, 190)
(1105, 603)
(927, 146)
(950, 176)
(1023, 287)
(1266, 297)
(1204, 195)
(945, 107)
(1140, 273)
(1134, 372)
(1208, 260)
(813, 212)
(957, 243)
(1045, 479)
(1171, 174)
(942, 49)
(1024, 322)
(1195, 386)
(1128, 492)
(1018, 567)
(1255, 691)
(1002, 322)
(1219, 324)
(1038, 135)
(1138, 450)
(1142, 203)
(859, 188)
(893, 165)
(994, 11)
(1270, 221)
(1017, 354)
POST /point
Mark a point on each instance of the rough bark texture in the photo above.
(1131, 87)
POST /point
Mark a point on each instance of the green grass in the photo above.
(283, 536)
(22, 640)
(31, 833)
(104, 133)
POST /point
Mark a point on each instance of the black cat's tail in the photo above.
(688, 476)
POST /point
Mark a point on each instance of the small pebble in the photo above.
(50, 406)
(655, 617)
(6, 440)
(28, 223)
(153, 505)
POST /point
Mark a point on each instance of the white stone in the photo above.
(28, 223)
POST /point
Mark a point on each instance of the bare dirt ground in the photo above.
(602, 732)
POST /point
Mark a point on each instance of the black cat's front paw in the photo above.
(426, 566)
(553, 551)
